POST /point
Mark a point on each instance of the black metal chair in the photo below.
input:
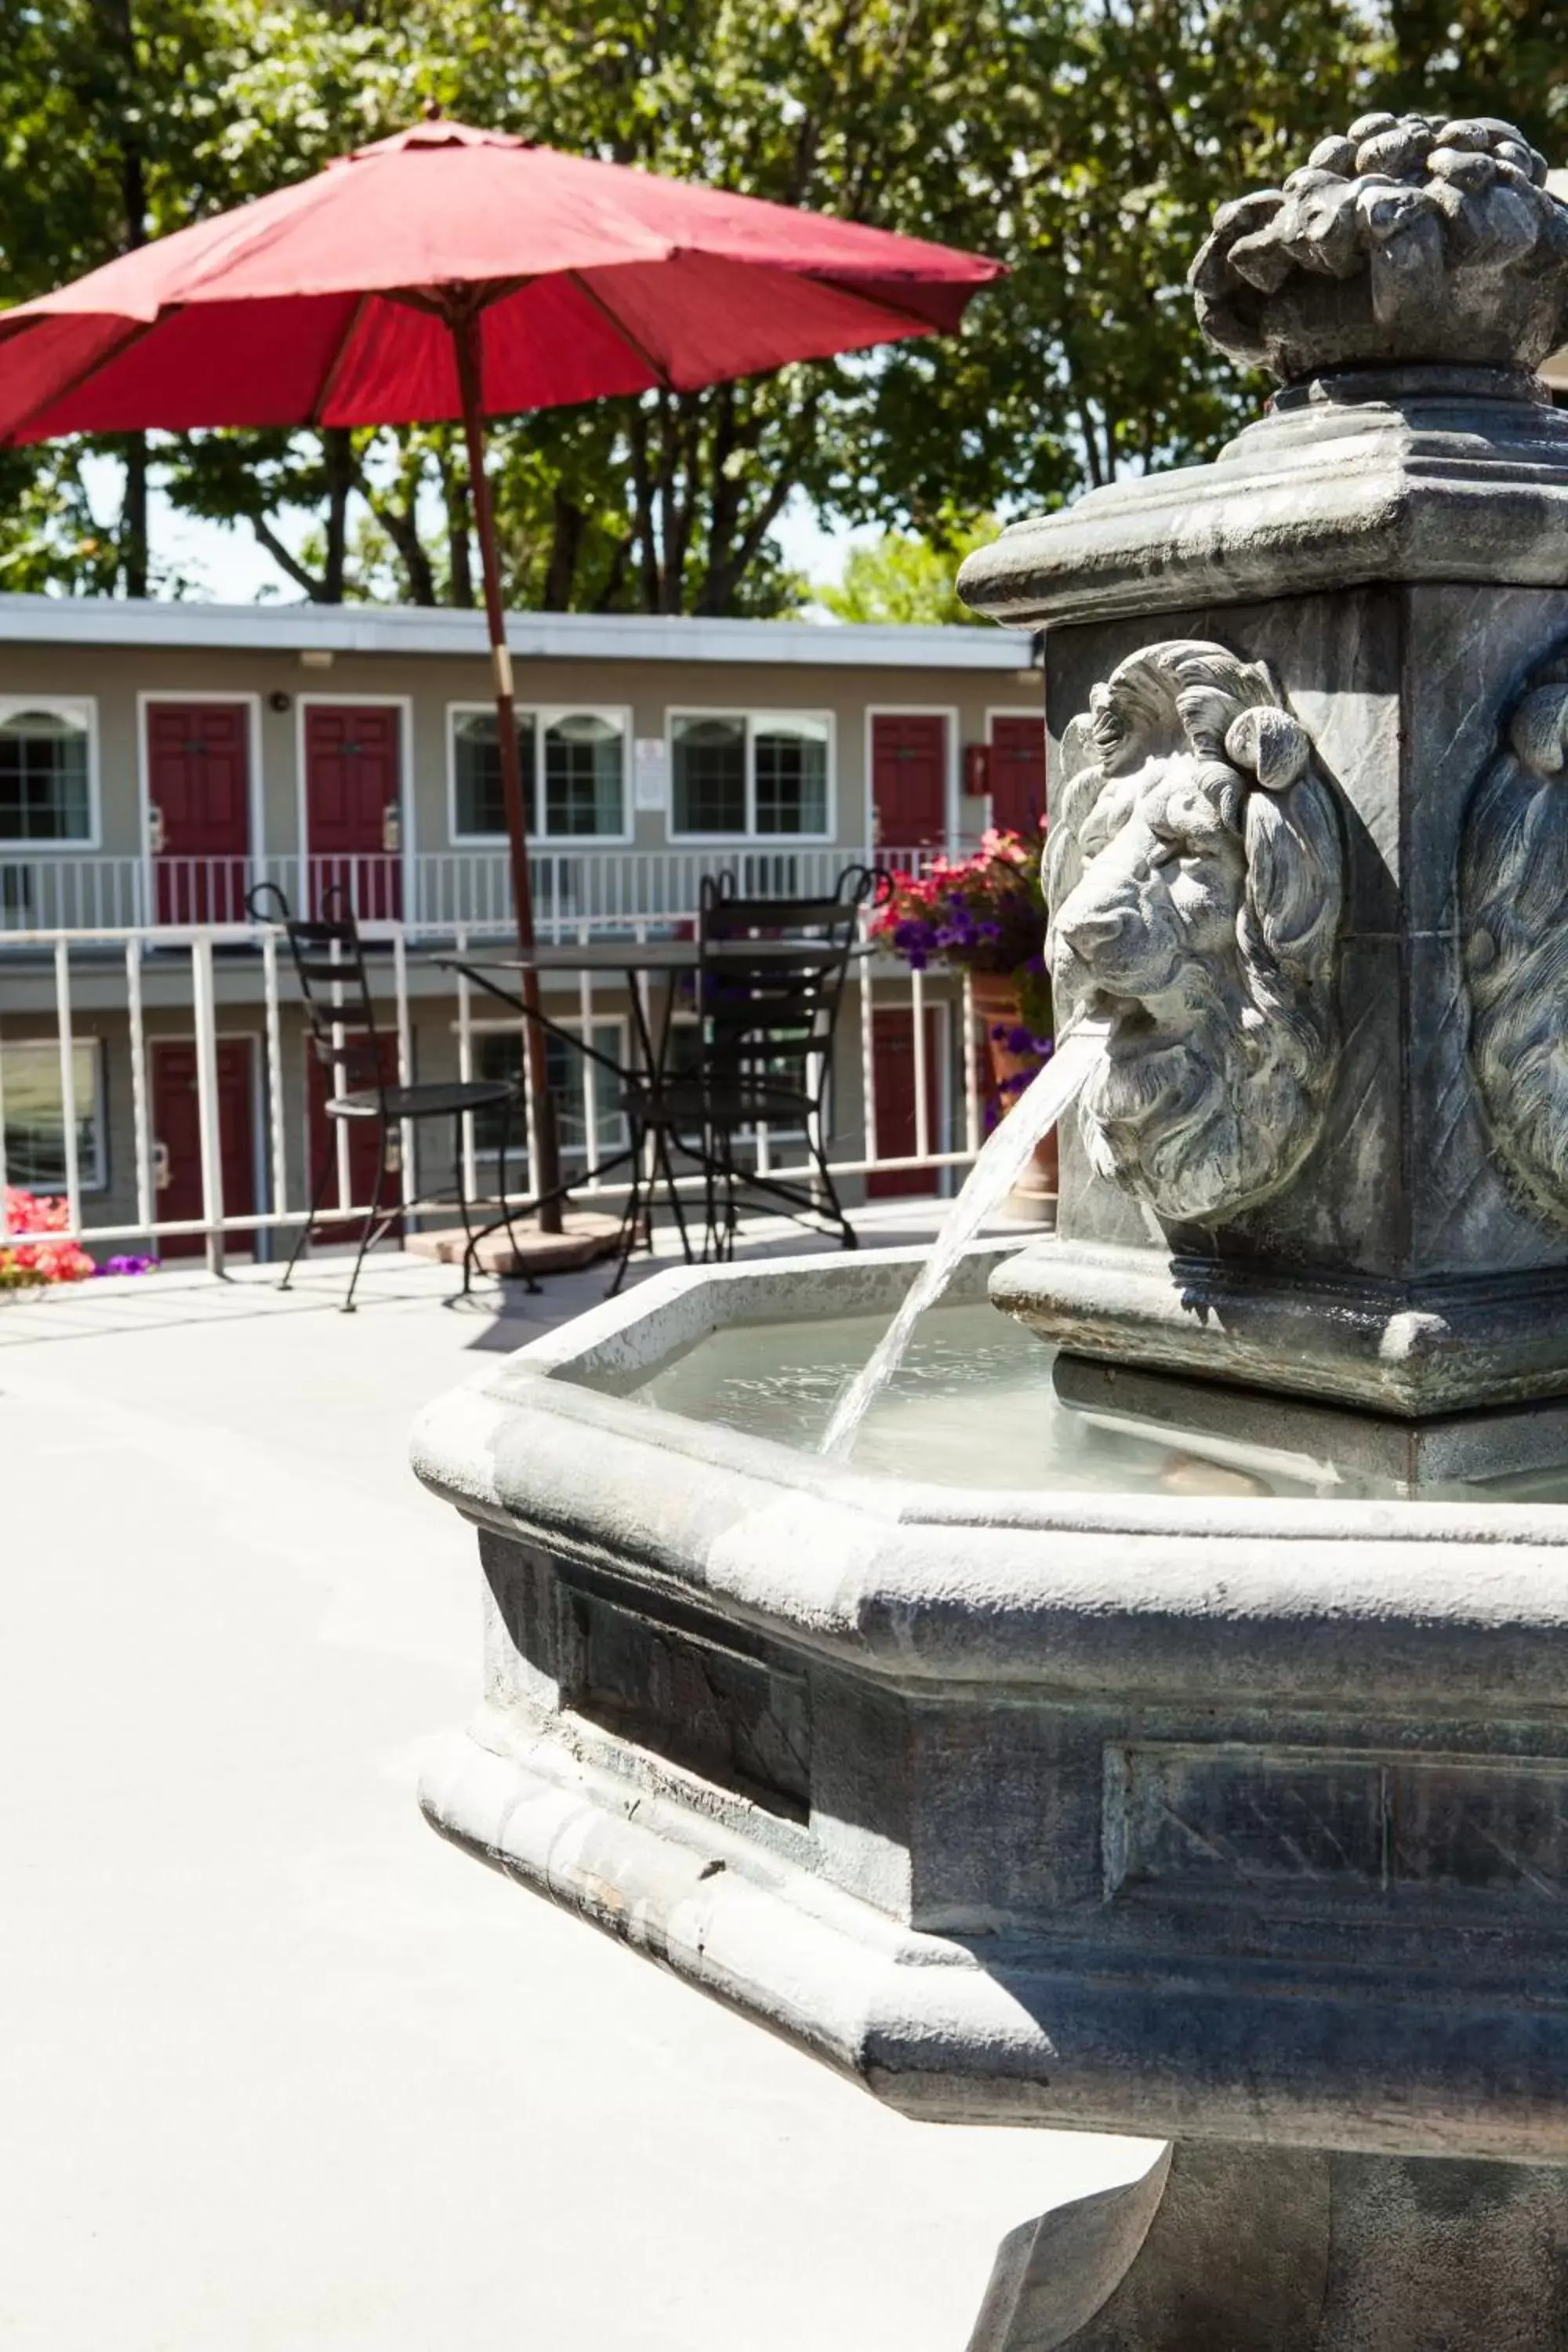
(334, 987)
(770, 981)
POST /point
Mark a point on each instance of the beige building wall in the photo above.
(116, 678)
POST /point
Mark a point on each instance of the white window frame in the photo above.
(751, 718)
(84, 708)
(543, 715)
(93, 1179)
(619, 1022)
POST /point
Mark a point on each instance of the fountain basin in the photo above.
(1220, 1814)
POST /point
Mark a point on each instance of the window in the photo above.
(791, 756)
(582, 762)
(480, 803)
(498, 1054)
(764, 774)
(36, 1117)
(710, 776)
(573, 774)
(46, 766)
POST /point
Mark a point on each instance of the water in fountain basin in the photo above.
(1001, 1163)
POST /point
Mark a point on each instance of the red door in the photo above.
(198, 796)
(893, 1069)
(909, 780)
(354, 807)
(176, 1125)
(1017, 774)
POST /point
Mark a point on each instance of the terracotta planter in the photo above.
(1033, 1199)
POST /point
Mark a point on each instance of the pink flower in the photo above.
(30, 1262)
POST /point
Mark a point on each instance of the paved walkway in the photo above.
(279, 2069)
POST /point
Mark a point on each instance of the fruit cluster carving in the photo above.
(1408, 239)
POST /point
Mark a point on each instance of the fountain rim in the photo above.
(915, 1582)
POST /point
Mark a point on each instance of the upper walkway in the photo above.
(283, 2072)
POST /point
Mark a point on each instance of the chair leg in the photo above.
(303, 1236)
(710, 1197)
(629, 1221)
(666, 1169)
(372, 1222)
(462, 1193)
(848, 1236)
(531, 1287)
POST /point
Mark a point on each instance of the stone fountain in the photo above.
(1236, 1816)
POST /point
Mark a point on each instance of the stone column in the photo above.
(1307, 710)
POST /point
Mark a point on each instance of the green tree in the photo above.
(1086, 142)
(904, 579)
(1481, 56)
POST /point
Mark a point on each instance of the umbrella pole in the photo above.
(546, 1172)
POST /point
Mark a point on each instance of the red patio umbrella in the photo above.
(444, 273)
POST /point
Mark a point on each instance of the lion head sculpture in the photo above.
(1513, 912)
(1197, 879)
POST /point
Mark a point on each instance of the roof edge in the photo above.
(420, 632)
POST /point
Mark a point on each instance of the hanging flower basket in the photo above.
(986, 915)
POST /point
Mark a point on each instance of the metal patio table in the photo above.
(633, 962)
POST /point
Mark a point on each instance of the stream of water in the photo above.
(1002, 1160)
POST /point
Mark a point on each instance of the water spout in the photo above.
(1001, 1163)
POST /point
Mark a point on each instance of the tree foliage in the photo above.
(901, 578)
(1085, 141)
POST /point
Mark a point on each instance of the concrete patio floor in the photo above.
(281, 2070)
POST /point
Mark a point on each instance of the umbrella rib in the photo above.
(878, 300)
(634, 343)
(335, 364)
(73, 383)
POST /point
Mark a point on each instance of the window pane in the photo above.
(583, 775)
(792, 775)
(35, 1115)
(709, 775)
(43, 778)
(498, 1054)
(481, 806)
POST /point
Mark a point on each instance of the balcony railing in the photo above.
(429, 893)
(940, 1119)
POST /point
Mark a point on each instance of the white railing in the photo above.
(432, 894)
(197, 972)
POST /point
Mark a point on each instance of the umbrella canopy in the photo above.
(444, 273)
(331, 302)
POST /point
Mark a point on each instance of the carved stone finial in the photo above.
(1407, 240)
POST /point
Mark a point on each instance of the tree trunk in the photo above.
(459, 530)
(134, 517)
(338, 451)
(568, 529)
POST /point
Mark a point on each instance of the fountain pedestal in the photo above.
(1378, 544)
(1251, 2250)
(1237, 1820)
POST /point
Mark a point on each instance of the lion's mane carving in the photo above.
(1197, 879)
(1513, 912)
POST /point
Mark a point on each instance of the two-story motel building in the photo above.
(156, 760)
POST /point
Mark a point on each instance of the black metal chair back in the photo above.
(770, 980)
(334, 987)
